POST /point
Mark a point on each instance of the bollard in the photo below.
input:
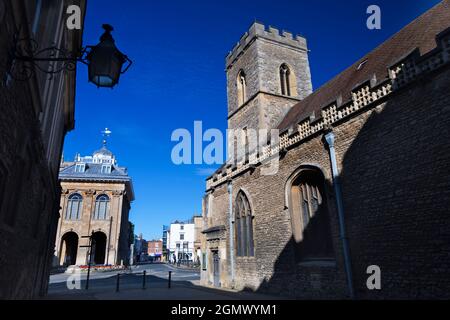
(143, 280)
(117, 283)
(170, 278)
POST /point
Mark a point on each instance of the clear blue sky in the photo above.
(178, 49)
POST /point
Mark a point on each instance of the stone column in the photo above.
(118, 195)
(62, 254)
(82, 258)
(63, 204)
(110, 232)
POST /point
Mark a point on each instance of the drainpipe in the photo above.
(231, 233)
(329, 137)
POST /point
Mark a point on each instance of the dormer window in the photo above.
(80, 167)
(106, 168)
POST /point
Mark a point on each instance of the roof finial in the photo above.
(105, 133)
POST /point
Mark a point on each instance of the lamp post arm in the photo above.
(52, 51)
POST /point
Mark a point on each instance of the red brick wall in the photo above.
(154, 247)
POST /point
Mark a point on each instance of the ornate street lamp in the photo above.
(105, 62)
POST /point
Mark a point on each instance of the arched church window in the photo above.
(101, 207)
(74, 205)
(310, 217)
(287, 81)
(241, 88)
(243, 226)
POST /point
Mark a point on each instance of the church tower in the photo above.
(267, 73)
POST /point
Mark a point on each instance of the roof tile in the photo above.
(419, 34)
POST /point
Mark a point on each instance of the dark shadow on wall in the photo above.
(396, 188)
(298, 272)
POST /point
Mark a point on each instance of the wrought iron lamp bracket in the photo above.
(26, 57)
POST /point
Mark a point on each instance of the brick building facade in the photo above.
(386, 199)
(36, 113)
(154, 250)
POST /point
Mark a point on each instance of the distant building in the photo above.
(155, 250)
(181, 241)
(131, 238)
(140, 249)
(96, 200)
(165, 256)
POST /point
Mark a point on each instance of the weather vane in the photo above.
(106, 133)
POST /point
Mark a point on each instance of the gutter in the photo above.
(231, 233)
(329, 137)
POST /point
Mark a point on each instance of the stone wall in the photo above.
(248, 62)
(216, 240)
(260, 55)
(28, 184)
(36, 114)
(115, 230)
(272, 55)
(393, 157)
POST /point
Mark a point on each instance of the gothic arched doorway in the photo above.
(69, 249)
(98, 247)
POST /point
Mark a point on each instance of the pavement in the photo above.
(185, 285)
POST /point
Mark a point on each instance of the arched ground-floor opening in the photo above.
(69, 249)
(98, 247)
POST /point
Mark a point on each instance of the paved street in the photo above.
(158, 270)
(185, 286)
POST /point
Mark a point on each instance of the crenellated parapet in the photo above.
(364, 97)
(259, 30)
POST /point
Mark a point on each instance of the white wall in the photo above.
(174, 238)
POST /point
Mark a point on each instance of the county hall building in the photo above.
(95, 201)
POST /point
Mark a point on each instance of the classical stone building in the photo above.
(36, 113)
(362, 177)
(95, 200)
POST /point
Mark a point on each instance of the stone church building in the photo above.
(363, 179)
(95, 201)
